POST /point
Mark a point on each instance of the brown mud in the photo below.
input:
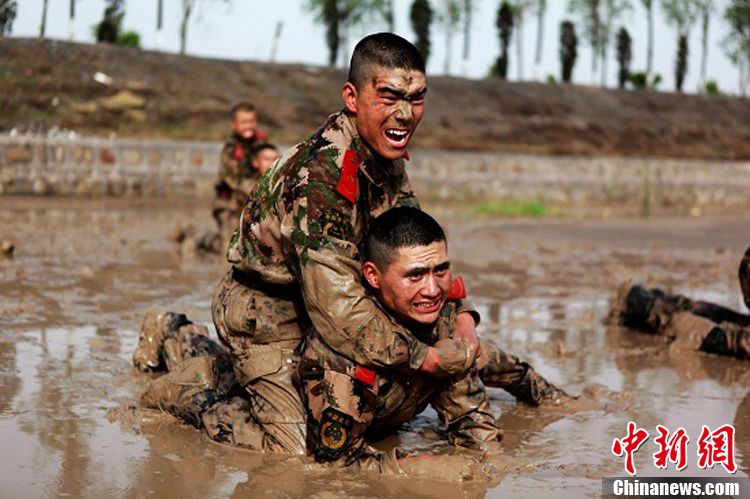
(85, 271)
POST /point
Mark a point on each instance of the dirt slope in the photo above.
(152, 94)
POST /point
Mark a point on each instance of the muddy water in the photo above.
(84, 273)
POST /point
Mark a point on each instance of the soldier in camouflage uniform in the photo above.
(408, 273)
(690, 323)
(237, 174)
(295, 255)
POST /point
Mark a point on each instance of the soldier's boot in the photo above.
(534, 390)
(643, 309)
(744, 274)
(158, 325)
(728, 339)
(688, 330)
(187, 392)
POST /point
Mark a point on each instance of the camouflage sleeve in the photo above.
(229, 168)
(329, 269)
(406, 196)
(465, 305)
(464, 408)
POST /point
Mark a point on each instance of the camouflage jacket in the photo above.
(461, 402)
(236, 176)
(304, 227)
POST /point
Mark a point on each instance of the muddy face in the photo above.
(84, 274)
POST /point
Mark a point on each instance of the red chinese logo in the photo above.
(717, 447)
(629, 445)
(672, 449)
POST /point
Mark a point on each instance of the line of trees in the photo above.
(597, 20)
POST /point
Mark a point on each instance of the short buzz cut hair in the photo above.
(258, 148)
(385, 50)
(397, 228)
(242, 106)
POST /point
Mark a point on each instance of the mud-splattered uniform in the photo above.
(236, 178)
(694, 324)
(347, 402)
(296, 263)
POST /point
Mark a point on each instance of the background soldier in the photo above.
(237, 173)
(692, 324)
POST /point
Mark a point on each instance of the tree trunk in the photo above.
(605, 49)
(72, 21)
(467, 37)
(159, 24)
(542, 6)
(448, 50)
(704, 49)
(650, 46)
(276, 38)
(43, 27)
(519, 46)
(187, 6)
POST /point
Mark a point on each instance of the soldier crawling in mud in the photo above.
(691, 324)
(296, 258)
(407, 273)
(240, 166)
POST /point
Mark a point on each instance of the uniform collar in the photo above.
(375, 169)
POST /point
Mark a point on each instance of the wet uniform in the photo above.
(347, 402)
(698, 324)
(236, 178)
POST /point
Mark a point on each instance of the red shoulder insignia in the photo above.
(406, 156)
(458, 290)
(261, 135)
(347, 185)
(366, 376)
(238, 154)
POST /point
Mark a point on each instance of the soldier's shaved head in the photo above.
(397, 228)
(384, 50)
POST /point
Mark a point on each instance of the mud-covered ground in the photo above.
(84, 273)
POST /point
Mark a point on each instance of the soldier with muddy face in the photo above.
(237, 173)
(296, 258)
(407, 271)
(690, 324)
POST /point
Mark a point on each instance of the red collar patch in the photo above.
(347, 185)
(238, 154)
(458, 290)
(366, 376)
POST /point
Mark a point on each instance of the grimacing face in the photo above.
(387, 108)
(244, 123)
(415, 285)
(263, 160)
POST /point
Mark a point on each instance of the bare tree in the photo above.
(612, 11)
(43, 26)
(681, 14)
(541, 9)
(706, 8)
(624, 56)
(187, 9)
(568, 50)
(450, 17)
(519, 12)
(649, 6)
(72, 21)
(737, 43)
(159, 24)
(588, 11)
(468, 10)
(421, 18)
(504, 24)
(8, 11)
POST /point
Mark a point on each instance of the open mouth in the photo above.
(397, 137)
(428, 307)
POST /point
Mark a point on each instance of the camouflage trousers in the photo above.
(701, 325)
(261, 325)
(348, 405)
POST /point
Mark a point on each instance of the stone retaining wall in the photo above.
(86, 166)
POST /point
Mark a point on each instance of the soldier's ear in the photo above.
(371, 274)
(349, 94)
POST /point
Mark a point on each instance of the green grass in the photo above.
(512, 208)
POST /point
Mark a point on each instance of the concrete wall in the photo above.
(169, 168)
